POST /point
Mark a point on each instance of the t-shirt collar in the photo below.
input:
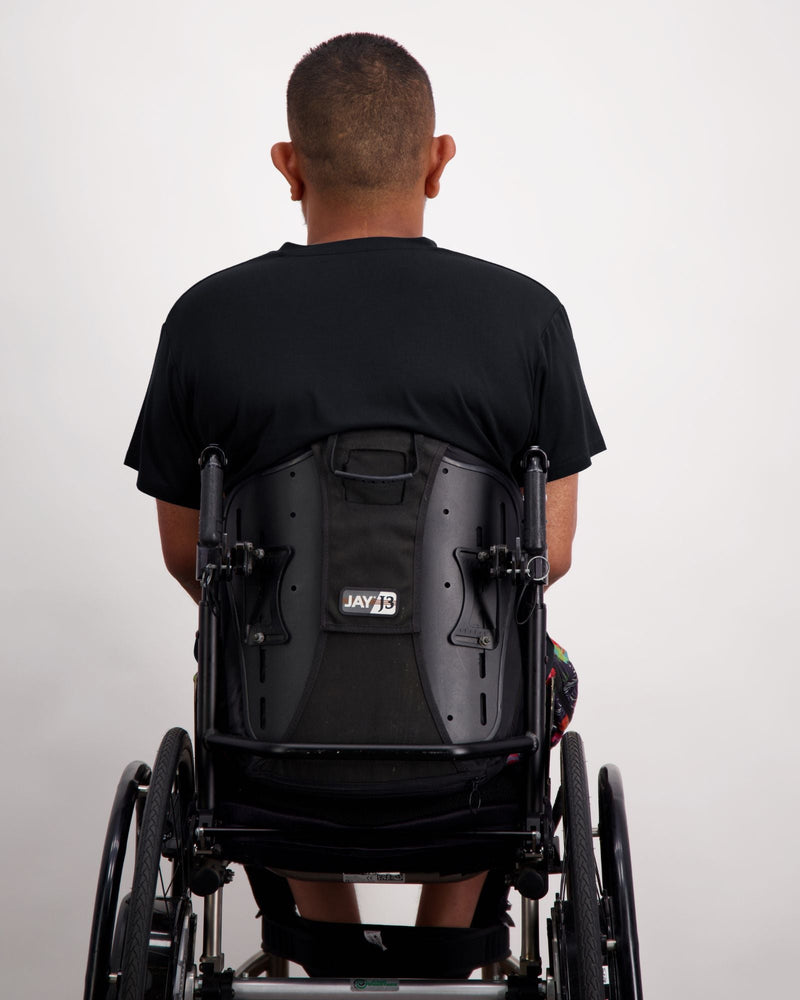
(367, 243)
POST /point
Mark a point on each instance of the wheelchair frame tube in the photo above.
(377, 751)
(206, 696)
(210, 546)
(342, 989)
(536, 703)
(212, 931)
(529, 933)
(534, 544)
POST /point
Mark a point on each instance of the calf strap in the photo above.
(334, 950)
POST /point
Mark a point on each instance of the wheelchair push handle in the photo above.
(534, 535)
(212, 462)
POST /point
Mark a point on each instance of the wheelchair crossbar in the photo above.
(344, 989)
(381, 751)
(261, 830)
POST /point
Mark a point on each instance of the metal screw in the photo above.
(485, 639)
(258, 637)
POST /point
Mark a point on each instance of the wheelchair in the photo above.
(373, 704)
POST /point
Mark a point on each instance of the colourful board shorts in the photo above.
(562, 680)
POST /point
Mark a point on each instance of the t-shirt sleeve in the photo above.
(564, 424)
(164, 449)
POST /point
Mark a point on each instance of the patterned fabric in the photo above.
(562, 680)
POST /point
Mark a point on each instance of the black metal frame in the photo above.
(527, 566)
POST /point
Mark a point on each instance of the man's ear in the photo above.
(285, 160)
(443, 149)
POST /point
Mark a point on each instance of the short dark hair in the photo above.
(360, 112)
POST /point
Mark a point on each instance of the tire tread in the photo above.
(174, 746)
(581, 870)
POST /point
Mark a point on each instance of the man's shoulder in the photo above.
(501, 277)
(269, 276)
(221, 287)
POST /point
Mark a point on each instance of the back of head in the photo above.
(361, 115)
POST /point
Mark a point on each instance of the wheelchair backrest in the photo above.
(370, 617)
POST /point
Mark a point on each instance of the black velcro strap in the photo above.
(332, 950)
(375, 489)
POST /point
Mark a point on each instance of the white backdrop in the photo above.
(639, 159)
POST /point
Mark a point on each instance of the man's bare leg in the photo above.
(449, 904)
(333, 901)
(441, 904)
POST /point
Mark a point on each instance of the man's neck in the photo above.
(327, 223)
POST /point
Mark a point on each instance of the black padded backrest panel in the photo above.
(306, 657)
(272, 628)
(468, 640)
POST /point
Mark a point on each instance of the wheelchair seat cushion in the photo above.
(298, 830)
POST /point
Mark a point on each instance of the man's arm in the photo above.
(562, 519)
(179, 527)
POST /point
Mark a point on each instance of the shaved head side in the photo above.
(361, 115)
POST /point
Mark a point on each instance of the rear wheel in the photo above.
(159, 933)
(575, 925)
(615, 858)
(108, 916)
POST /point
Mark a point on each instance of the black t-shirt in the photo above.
(268, 356)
